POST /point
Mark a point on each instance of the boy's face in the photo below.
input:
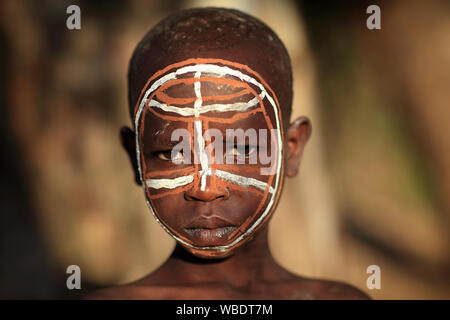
(210, 153)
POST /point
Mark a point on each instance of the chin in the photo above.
(210, 254)
(216, 253)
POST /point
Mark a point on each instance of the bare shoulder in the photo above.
(301, 287)
(334, 290)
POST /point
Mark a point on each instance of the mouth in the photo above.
(206, 233)
(209, 231)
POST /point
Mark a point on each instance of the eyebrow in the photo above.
(163, 138)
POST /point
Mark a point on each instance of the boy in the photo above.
(210, 93)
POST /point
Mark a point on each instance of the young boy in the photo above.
(210, 93)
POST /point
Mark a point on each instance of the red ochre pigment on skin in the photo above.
(240, 88)
(163, 97)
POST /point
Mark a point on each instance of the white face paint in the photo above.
(213, 69)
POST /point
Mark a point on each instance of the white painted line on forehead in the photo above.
(238, 106)
(220, 71)
(242, 181)
(169, 183)
(198, 94)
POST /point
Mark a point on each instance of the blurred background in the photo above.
(374, 184)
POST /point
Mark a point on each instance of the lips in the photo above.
(209, 231)
(208, 222)
(210, 234)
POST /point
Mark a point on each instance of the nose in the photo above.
(210, 193)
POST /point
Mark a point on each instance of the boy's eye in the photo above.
(167, 155)
(243, 150)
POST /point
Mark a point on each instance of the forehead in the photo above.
(216, 93)
(225, 104)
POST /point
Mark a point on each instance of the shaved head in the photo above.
(213, 33)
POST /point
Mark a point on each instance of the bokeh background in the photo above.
(374, 184)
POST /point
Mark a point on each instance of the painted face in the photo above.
(209, 150)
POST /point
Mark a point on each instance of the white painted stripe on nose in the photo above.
(169, 183)
(242, 181)
(201, 153)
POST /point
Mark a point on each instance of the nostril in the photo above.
(206, 195)
(226, 194)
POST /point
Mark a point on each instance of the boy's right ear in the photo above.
(127, 139)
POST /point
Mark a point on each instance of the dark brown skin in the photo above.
(249, 271)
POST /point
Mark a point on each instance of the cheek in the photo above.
(243, 205)
(170, 210)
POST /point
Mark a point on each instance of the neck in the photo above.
(250, 263)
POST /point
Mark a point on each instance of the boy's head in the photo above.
(210, 94)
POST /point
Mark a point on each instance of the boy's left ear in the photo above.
(127, 139)
(297, 135)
